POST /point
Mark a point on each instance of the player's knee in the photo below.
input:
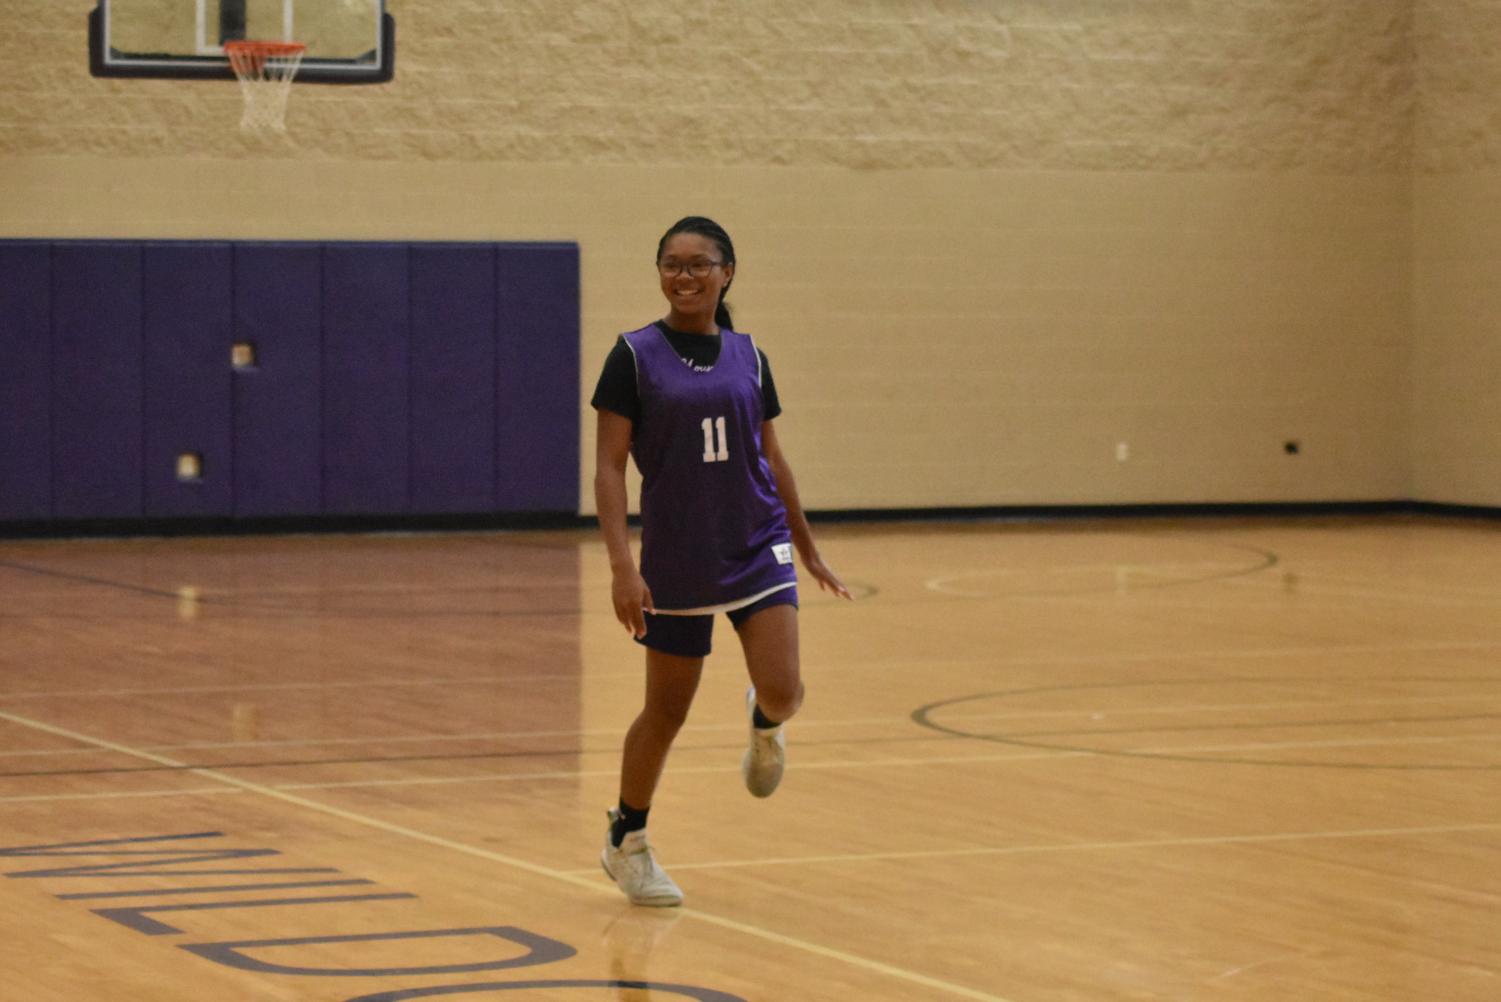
(780, 700)
(668, 718)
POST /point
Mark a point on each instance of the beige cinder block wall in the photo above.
(1456, 443)
(985, 244)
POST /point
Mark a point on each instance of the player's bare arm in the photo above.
(628, 591)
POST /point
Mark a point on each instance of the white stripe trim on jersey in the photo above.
(635, 363)
(757, 352)
(739, 603)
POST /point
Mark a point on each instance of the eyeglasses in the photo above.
(698, 269)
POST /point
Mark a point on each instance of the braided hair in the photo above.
(705, 227)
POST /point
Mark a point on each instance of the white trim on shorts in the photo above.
(739, 603)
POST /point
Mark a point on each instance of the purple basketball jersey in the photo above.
(713, 528)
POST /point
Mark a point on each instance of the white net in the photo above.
(265, 71)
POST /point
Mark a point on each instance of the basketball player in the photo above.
(693, 401)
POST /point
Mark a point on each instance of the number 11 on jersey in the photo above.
(714, 430)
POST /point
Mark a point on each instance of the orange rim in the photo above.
(264, 48)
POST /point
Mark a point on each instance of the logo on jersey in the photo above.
(783, 552)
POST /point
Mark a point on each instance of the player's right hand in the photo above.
(632, 599)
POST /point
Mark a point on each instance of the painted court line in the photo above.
(573, 774)
(202, 791)
(943, 584)
(594, 885)
(737, 727)
(888, 763)
(1325, 586)
(866, 667)
(553, 774)
(1467, 698)
(183, 690)
(1026, 850)
(1157, 657)
(1334, 743)
(676, 770)
(1096, 714)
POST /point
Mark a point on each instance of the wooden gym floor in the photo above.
(1228, 760)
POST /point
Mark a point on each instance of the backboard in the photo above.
(348, 41)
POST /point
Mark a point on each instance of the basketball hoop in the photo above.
(265, 71)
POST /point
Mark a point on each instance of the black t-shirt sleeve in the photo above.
(770, 404)
(616, 390)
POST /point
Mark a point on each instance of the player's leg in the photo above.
(768, 635)
(672, 676)
(671, 683)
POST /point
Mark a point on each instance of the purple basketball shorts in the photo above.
(690, 636)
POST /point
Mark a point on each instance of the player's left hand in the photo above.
(827, 579)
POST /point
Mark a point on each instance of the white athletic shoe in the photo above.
(634, 869)
(766, 757)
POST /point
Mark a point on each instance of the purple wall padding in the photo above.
(389, 379)
(25, 382)
(187, 378)
(278, 469)
(366, 444)
(453, 378)
(537, 364)
(96, 381)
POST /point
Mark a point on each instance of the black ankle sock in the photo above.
(630, 820)
(762, 721)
